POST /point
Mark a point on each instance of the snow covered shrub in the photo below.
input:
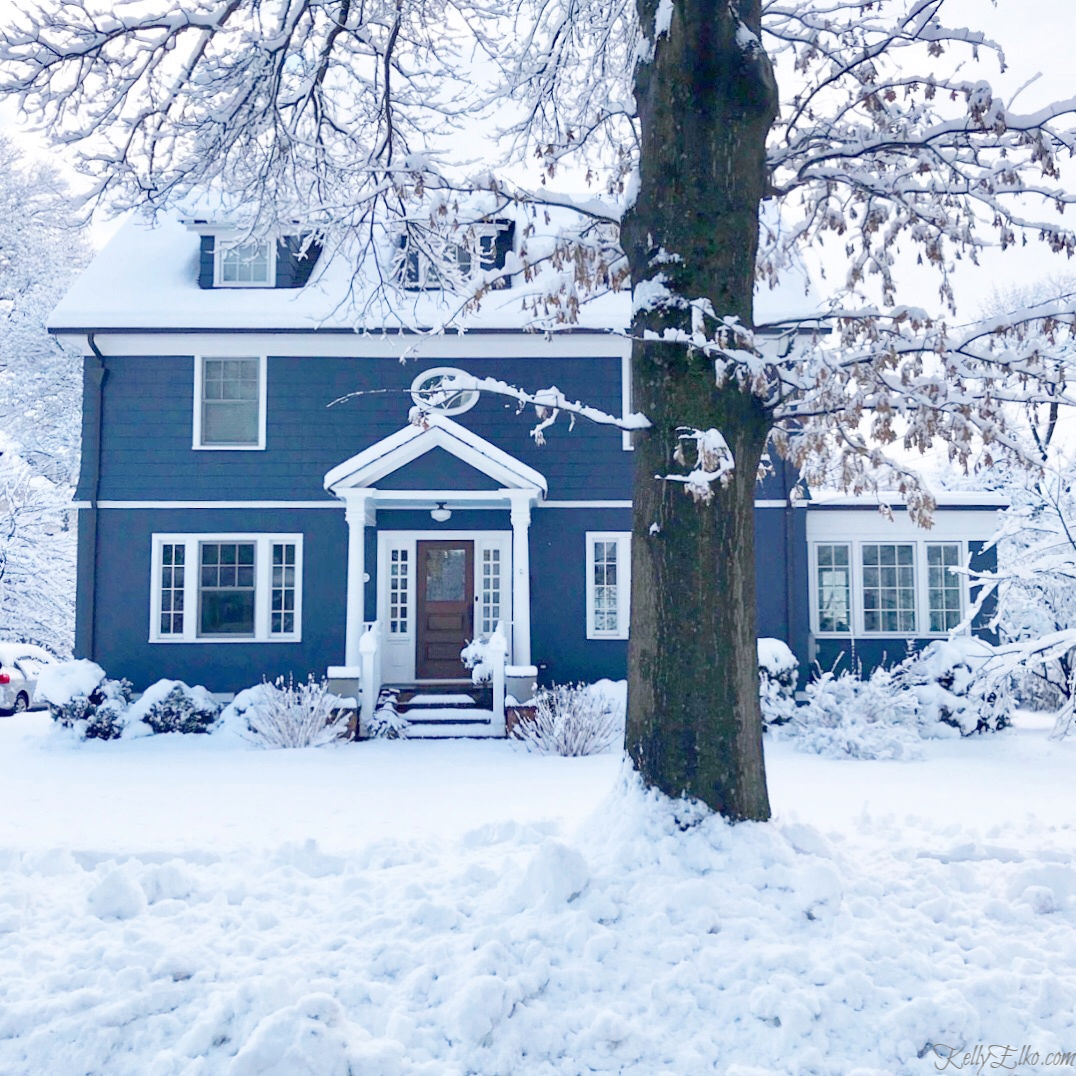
(570, 720)
(387, 722)
(286, 714)
(848, 717)
(172, 706)
(81, 697)
(778, 671)
(951, 681)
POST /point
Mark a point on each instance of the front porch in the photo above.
(436, 587)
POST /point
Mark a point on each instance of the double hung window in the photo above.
(229, 403)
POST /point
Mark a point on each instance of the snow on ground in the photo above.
(174, 905)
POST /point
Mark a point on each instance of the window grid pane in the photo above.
(491, 591)
(834, 582)
(606, 590)
(398, 575)
(226, 588)
(889, 588)
(943, 587)
(245, 263)
(282, 590)
(172, 578)
(230, 401)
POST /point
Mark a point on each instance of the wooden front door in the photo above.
(445, 608)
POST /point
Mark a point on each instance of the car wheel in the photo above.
(22, 703)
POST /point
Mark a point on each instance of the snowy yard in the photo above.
(174, 905)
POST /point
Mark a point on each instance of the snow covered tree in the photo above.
(655, 130)
(40, 398)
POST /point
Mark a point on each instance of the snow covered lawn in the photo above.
(173, 905)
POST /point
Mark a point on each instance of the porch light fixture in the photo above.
(440, 514)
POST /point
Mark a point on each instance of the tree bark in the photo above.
(706, 101)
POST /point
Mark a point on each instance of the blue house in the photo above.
(235, 523)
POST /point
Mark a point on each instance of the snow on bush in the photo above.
(286, 714)
(61, 682)
(387, 723)
(172, 706)
(81, 697)
(571, 720)
(778, 671)
(951, 682)
(847, 717)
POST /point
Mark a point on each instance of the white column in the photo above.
(521, 577)
(358, 510)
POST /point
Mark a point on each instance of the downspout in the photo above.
(99, 374)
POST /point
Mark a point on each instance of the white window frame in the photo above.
(199, 382)
(962, 580)
(922, 588)
(816, 618)
(263, 582)
(221, 246)
(623, 583)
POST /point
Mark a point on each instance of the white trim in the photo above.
(221, 244)
(625, 398)
(623, 583)
(922, 590)
(398, 651)
(383, 496)
(449, 347)
(199, 375)
(263, 543)
(583, 504)
(397, 450)
(334, 504)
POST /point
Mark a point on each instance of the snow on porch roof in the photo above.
(414, 440)
(146, 278)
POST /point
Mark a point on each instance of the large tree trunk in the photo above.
(706, 103)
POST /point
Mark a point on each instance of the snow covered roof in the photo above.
(146, 277)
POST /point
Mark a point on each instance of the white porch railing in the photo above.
(369, 671)
(361, 682)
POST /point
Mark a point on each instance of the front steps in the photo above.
(436, 712)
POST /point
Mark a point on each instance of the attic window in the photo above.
(486, 247)
(428, 392)
(246, 265)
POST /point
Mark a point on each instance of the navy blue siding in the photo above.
(123, 588)
(149, 407)
(437, 469)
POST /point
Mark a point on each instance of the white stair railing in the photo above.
(370, 672)
(497, 654)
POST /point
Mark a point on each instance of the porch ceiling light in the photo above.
(440, 514)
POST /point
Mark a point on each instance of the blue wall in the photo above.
(558, 591)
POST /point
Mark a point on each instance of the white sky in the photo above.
(1037, 37)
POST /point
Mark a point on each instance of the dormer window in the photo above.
(486, 247)
(246, 265)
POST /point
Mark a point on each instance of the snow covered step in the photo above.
(441, 714)
(441, 700)
(446, 730)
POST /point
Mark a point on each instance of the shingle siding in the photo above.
(149, 407)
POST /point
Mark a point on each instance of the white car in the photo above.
(20, 665)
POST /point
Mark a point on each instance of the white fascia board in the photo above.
(406, 445)
(456, 348)
(850, 525)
